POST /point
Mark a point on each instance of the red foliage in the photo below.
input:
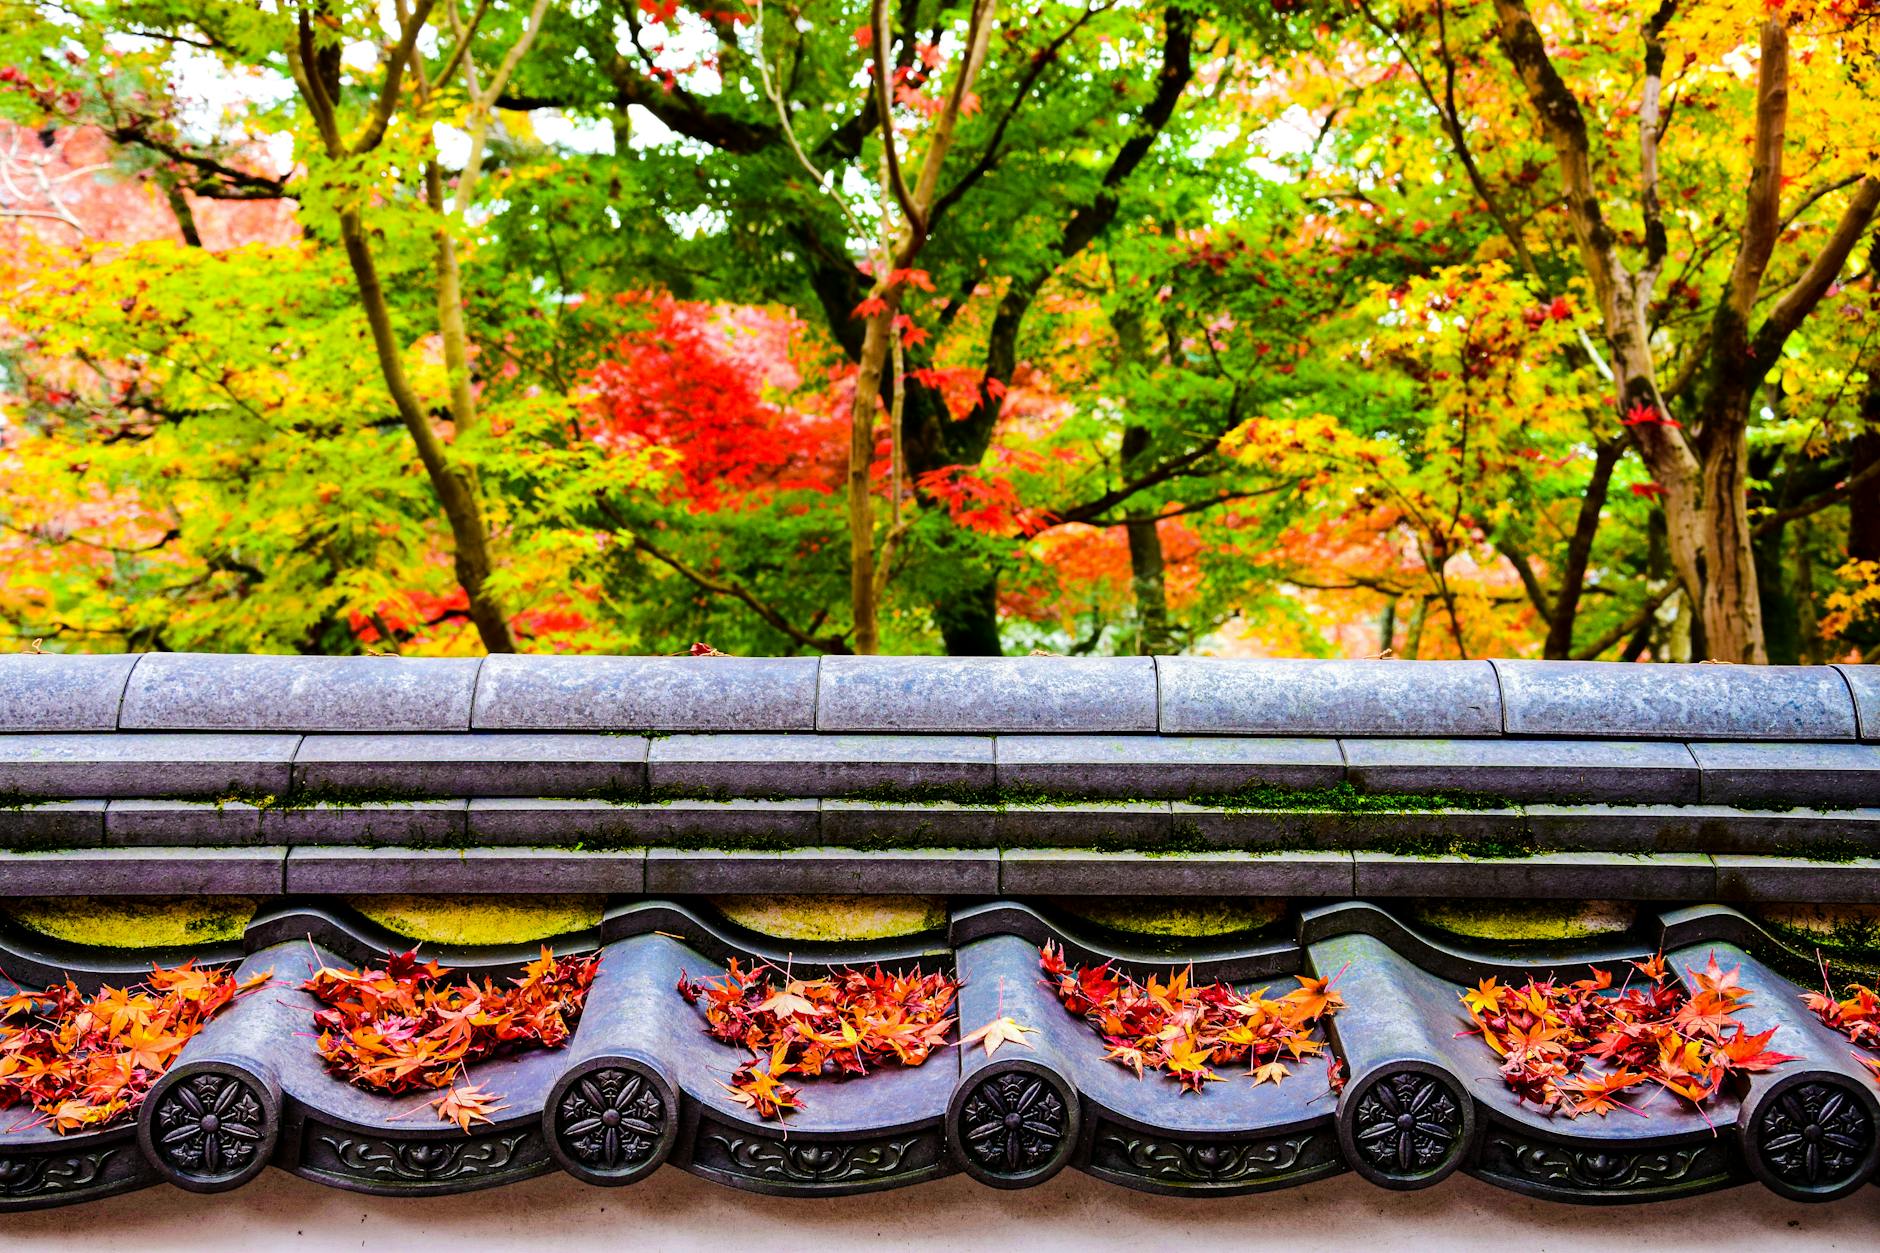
(846, 1023)
(1572, 1048)
(407, 1025)
(714, 384)
(85, 1062)
(1856, 1016)
(1178, 1027)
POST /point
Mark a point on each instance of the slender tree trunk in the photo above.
(865, 639)
(1146, 577)
(470, 538)
(450, 319)
(1566, 606)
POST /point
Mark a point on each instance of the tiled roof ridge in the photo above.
(936, 695)
(1809, 1129)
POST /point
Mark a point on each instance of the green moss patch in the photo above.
(1525, 921)
(472, 920)
(135, 921)
(1187, 918)
(834, 917)
(1848, 936)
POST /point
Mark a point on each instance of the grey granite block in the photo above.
(1819, 775)
(1601, 699)
(143, 824)
(1561, 771)
(839, 871)
(1164, 767)
(146, 764)
(477, 764)
(474, 871)
(53, 824)
(505, 821)
(1079, 872)
(218, 692)
(143, 872)
(1087, 695)
(1267, 829)
(387, 822)
(1699, 828)
(535, 693)
(1545, 876)
(1749, 878)
(62, 691)
(1085, 824)
(1863, 683)
(1212, 696)
(929, 824)
(819, 765)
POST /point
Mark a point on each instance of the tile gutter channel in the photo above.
(639, 1051)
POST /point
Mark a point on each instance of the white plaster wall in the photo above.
(675, 1211)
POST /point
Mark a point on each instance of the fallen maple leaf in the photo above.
(1001, 1030)
(467, 1104)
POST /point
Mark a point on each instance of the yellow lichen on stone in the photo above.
(135, 921)
(1525, 921)
(1187, 918)
(834, 917)
(471, 920)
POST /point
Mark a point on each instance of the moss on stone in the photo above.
(1847, 935)
(472, 920)
(1187, 918)
(834, 917)
(135, 921)
(1525, 921)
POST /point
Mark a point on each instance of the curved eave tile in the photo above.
(640, 1052)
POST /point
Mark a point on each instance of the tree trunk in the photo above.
(1566, 606)
(865, 638)
(969, 619)
(455, 494)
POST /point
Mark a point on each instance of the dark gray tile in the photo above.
(1603, 699)
(1080, 872)
(535, 693)
(929, 824)
(387, 822)
(62, 691)
(1699, 828)
(53, 824)
(1084, 824)
(1747, 878)
(1559, 771)
(473, 871)
(838, 871)
(227, 692)
(476, 764)
(819, 765)
(204, 824)
(1820, 775)
(981, 695)
(1165, 767)
(143, 872)
(1543, 876)
(1215, 696)
(172, 765)
(1268, 829)
(549, 822)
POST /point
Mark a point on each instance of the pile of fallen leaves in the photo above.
(1184, 1029)
(844, 1024)
(84, 1062)
(1581, 1047)
(1857, 1016)
(410, 1025)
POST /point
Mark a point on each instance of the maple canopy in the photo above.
(1493, 327)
